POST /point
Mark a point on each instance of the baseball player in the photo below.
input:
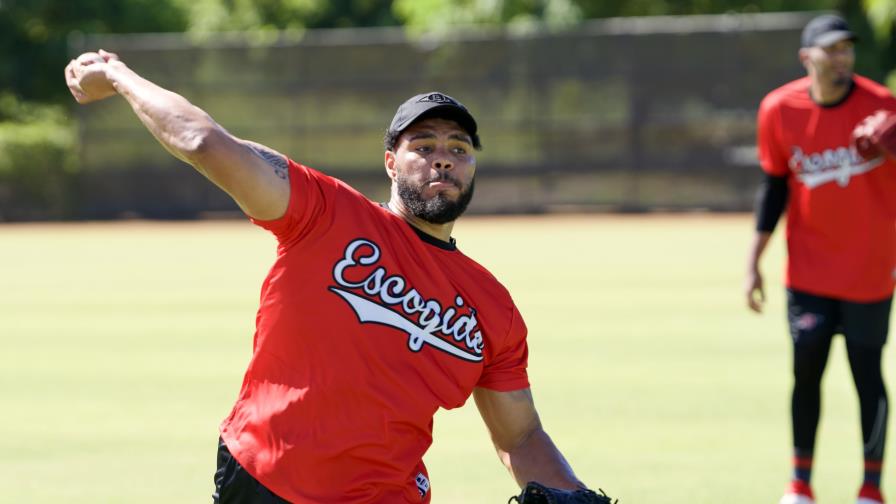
(841, 239)
(371, 318)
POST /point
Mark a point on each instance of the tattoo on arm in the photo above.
(274, 159)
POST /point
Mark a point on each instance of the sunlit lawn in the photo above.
(122, 346)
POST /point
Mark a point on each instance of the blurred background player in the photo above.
(841, 239)
(370, 320)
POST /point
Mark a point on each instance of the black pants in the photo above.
(233, 485)
(814, 320)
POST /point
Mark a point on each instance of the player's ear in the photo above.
(803, 55)
(389, 161)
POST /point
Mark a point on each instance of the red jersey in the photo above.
(366, 327)
(841, 213)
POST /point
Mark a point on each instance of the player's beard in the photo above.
(838, 78)
(438, 209)
(842, 80)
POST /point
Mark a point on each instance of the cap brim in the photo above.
(450, 112)
(833, 37)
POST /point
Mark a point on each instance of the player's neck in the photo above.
(829, 93)
(439, 231)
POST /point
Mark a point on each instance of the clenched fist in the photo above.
(87, 76)
(876, 135)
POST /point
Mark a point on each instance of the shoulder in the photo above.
(483, 278)
(301, 174)
(316, 197)
(870, 86)
(793, 90)
(872, 89)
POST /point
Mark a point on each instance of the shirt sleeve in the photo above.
(771, 200)
(308, 201)
(890, 104)
(772, 155)
(506, 369)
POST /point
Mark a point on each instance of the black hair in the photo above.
(390, 139)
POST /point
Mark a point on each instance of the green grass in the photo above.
(122, 346)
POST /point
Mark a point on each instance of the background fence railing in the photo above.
(617, 114)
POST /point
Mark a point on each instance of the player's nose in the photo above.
(442, 164)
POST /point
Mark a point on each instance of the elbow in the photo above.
(200, 142)
(195, 133)
(509, 444)
(197, 140)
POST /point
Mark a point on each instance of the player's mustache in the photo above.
(445, 177)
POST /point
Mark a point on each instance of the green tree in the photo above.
(351, 13)
(207, 16)
(882, 15)
(609, 8)
(34, 35)
(438, 15)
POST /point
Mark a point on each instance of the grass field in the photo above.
(122, 346)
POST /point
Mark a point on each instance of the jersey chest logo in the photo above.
(829, 165)
(390, 301)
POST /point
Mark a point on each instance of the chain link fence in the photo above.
(624, 114)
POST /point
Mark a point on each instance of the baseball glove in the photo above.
(875, 135)
(536, 493)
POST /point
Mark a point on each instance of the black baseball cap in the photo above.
(825, 30)
(434, 104)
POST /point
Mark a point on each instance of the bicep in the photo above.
(771, 200)
(255, 176)
(510, 416)
(772, 158)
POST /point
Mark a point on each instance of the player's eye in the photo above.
(423, 149)
(460, 150)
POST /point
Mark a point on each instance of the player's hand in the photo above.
(755, 290)
(875, 136)
(87, 76)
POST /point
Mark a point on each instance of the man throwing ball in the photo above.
(841, 235)
(371, 318)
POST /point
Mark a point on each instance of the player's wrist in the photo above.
(117, 73)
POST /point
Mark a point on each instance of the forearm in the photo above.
(178, 125)
(538, 459)
(771, 200)
(760, 242)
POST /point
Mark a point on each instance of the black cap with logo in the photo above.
(434, 104)
(825, 30)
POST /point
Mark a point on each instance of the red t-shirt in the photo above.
(366, 327)
(841, 212)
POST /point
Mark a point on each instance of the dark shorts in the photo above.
(816, 319)
(233, 485)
